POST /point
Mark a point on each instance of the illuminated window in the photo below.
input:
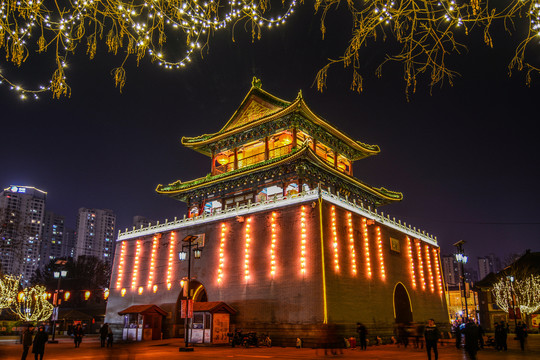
(152, 262)
(334, 237)
(273, 241)
(171, 260)
(366, 247)
(136, 265)
(411, 262)
(351, 243)
(380, 253)
(121, 266)
(420, 264)
(221, 253)
(437, 270)
(430, 271)
(246, 249)
(303, 240)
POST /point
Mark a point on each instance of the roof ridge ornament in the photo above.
(299, 96)
(256, 83)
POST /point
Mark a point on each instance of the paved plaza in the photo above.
(168, 349)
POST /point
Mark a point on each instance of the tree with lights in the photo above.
(9, 286)
(31, 304)
(423, 33)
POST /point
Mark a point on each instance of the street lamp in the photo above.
(57, 275)
(462, 259)
(183, 255)
(513, 298)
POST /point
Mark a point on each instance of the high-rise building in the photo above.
(451, 270)
(22, 210)
(52, 244)
(95, 234)
(488, 264)
(70, 239)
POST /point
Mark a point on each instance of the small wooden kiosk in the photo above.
(210, 323)
(142, 322)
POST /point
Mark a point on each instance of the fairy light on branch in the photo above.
(9, 285)
(351, 243)
(222, 239)
(32, 304)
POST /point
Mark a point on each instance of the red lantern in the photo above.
(285, 138)
(222, 159)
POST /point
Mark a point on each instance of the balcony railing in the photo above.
(253, 159)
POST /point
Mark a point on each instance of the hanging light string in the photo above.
(133, 28)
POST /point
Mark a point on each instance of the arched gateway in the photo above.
(402, 305)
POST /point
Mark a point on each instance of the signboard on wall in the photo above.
(535, 320)
(394, 245)
(220, 329)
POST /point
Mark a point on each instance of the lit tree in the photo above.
(522, 293)
(424, 32)
(32, 305)
(9, 285)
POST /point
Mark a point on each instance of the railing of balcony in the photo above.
(253, 159)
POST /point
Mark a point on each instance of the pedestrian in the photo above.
(481, 334)
(471, 339)
(457, 333)
(78, 334)
(362, 334)
(38, 345)
(418, 333)
(26, 340)
(497, 336)
(504, 335)
(103, 332)
(403, 335)
(432, 336)
(110, 337)
(521, 334)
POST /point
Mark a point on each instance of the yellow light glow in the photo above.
(121, 266)
(247, 248)
(123, 292)
(222, 240)
(140, 290)
(430, 271)
(352, 248)
(136, 265)
(67, 295)
(333, 228)
(437, 270)
(366, 247)
(380, 252)
(420, 264)
(152, 268)
(411, 262)
(154, 288)
(171, 260)
(106, 294)
(303, 240)
(273, 241)
(87, 294)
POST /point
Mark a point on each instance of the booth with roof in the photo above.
(142, 322)
(210, 323)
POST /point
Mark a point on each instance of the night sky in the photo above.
(465, 157)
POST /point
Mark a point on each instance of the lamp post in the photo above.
(57, 275)
(183, 255)
(462, 259)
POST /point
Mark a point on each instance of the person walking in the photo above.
(103, 333)
(38, 345)
(78, 334)
(521, 334)
(481, 334)
(432, 336)
(26, 340)
(457, 333)
(110, 337)
(503, 335)
(362, 334)
(471, 339)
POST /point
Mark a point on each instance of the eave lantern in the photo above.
(222, 159)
